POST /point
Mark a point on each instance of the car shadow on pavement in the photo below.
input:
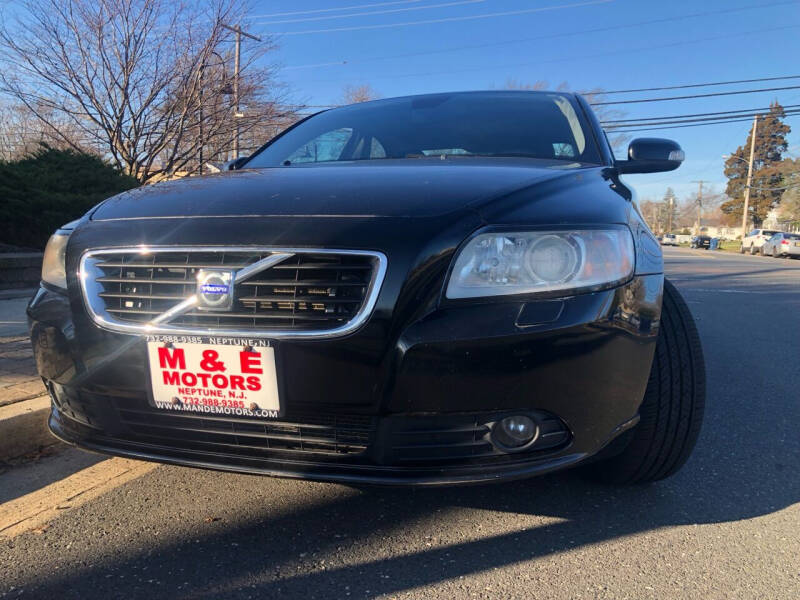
(318, 548)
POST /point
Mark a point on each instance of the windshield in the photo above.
(524, 124)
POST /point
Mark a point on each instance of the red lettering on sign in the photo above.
(220, 381)
(174, 360)
(189, 379)
(237, 382)
(250, 362)
(253, 383)
(204, 378)
(171, 377)
(210, 362)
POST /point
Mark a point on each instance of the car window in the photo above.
(323, 148)
(540, 125)
(376, 150)
(754, 232)
(792, 236)
(768, 232)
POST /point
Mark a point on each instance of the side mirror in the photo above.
(651, 155)
(235, 164)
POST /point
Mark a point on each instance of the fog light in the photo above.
(514, 433)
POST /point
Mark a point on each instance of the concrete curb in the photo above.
(23, 427)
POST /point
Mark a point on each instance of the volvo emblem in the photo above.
(214, 289)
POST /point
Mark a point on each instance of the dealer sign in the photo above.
(229, 379)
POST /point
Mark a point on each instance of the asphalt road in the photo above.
(726, 526)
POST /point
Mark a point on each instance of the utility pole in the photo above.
(236, 114)
(699, 204)
(749, 178)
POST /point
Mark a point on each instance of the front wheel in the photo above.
(741, 249)
(752, 250)
(671, 413)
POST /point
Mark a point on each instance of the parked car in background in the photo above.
(700, 241)
(782, 244)
(753, 241)
(669, 239)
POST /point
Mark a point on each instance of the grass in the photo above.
(730, 245)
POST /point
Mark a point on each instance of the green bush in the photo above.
(51, 187)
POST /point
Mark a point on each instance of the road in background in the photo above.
(726, 526)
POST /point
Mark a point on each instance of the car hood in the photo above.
(387, 188)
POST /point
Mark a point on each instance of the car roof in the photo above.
(484, 93)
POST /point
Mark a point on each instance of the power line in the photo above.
(542, 37)
(709, 114)
(697, 85)
(732, 118)
(326, 10)
(507, 13)
(372, 12)
(664, 99)
(682, 119)
(649, 128)
(583, 57)
(714, 121)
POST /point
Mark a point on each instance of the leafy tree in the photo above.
(789, 209)
(49, 188)
(770, 144)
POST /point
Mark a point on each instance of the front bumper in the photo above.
(580, 365)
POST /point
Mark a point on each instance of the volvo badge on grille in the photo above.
(214, 289)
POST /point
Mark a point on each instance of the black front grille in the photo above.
(334, 435)
(414, 441)
(305, 292)
(297, 434)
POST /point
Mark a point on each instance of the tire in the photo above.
(775, 253)
(741, 249)
(752, 250)
(673, 405)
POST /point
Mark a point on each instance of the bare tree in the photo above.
(358, 93)
(513, 84)
(145, 83)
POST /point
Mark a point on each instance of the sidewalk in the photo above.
(24, 404)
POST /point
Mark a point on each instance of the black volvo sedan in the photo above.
(436, 289)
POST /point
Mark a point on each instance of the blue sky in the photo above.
(538, 40)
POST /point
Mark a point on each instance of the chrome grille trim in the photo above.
(90, 278)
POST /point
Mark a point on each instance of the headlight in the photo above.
(53, 264)
(501, 263)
